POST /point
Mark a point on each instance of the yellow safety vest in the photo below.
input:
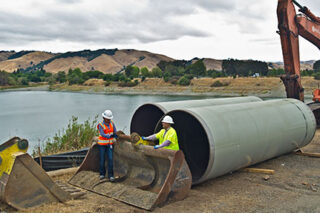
(170, 135)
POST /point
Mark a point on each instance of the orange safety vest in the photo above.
(106, 130)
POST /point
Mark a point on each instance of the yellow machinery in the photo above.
(23, 183)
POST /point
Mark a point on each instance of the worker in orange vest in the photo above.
(106, 139)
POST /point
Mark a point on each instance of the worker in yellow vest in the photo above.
(106, 139)
(167, 136)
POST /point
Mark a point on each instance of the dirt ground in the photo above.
(295, 187)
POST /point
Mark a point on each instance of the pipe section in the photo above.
(220, 139)
(146, 117)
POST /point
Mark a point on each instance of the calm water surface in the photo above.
(38, 115)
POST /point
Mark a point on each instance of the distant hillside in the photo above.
(4, 55)
(104, 60)
(24, 61)
(304, 65)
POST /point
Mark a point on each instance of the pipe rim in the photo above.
(209, 136)
(140, 109)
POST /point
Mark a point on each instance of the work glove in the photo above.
(143, 138)
(156, 147)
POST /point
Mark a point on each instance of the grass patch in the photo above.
(21, 86)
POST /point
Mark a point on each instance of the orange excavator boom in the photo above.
(292, 25)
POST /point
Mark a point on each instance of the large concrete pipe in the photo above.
(219, 139)
(146, 117)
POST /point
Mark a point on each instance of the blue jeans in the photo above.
(103, 150)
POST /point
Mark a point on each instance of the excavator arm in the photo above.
(290, 27)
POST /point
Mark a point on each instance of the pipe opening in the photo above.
(145, 119)
(193, 141)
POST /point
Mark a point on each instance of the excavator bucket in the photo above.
(146, 177)
(23, 183)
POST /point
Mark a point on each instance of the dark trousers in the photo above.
(103, 150)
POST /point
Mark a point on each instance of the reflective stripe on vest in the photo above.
(102, 140)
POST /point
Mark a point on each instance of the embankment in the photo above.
(261, 86)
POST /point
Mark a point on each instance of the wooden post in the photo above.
(309, 154)
(40, 157)
(258, 170)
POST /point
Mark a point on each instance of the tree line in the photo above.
(19, 78)
(176, 72)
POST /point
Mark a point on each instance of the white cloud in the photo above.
(180, 28)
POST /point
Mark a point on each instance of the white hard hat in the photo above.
(107, 114)
(167, 119)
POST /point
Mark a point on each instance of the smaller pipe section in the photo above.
(146, 117)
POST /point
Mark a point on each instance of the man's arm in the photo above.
(150, 138)
(102, 132)
(164, 144)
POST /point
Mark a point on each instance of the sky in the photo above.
(181, 29)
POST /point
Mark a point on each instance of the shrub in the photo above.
(23, 81)
(216, 74)
(198, 68)
(75, 79)
(107, 83)
(123, 78)
(156, 72)
(174, 80)
(75, 76)
(51, 81)
(184, 81)
(107, 77)
(61, 77)
(12, 81)
(75, 137)
(166, 76)
(93, 74)
(128, 83)
(145, 72)
(219, 84)
(132, 71)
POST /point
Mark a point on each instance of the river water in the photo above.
(39, 115)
